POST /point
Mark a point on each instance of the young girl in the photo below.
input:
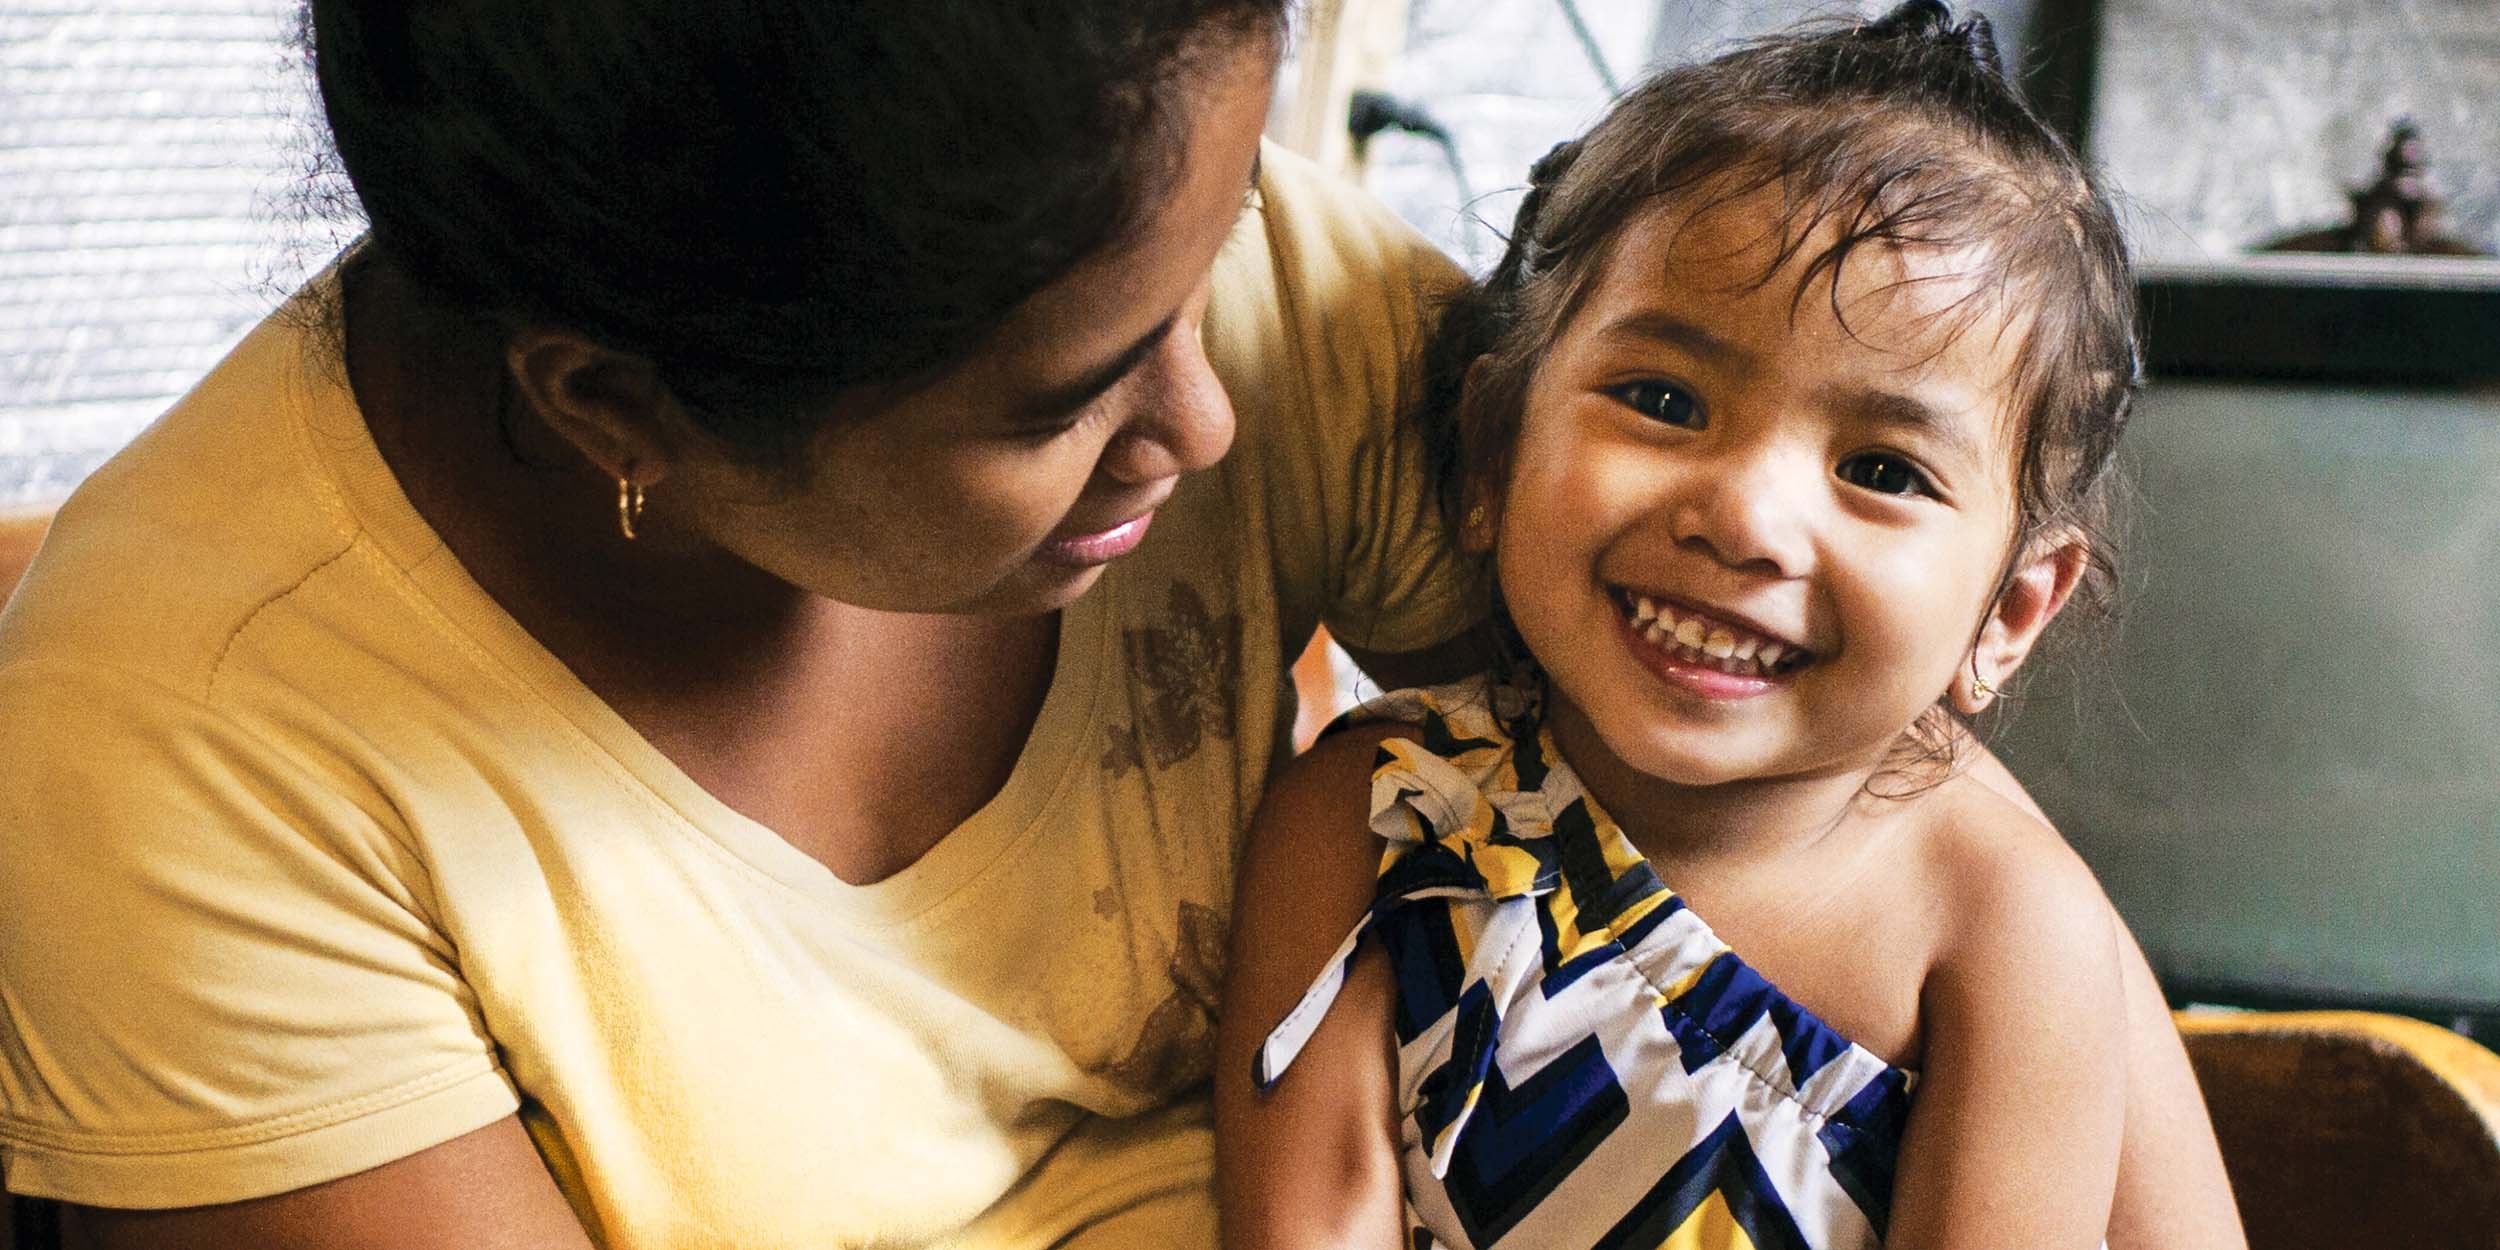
(1785, 424)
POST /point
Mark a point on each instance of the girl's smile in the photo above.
(1685, 638)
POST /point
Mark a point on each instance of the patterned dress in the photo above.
(1581, 1062)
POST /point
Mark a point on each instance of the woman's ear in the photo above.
(2039, 588)
(611, 406)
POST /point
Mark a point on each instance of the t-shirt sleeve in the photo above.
(1316, 324)
(218, 975)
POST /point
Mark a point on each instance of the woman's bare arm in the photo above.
(486, 1190)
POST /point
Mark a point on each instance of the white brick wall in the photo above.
(148, 150)
(2231, 122)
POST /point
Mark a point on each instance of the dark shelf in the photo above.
(2389, 321)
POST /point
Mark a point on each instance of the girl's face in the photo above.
(1007, 483)
(1815, 516)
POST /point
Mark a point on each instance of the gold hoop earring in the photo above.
(628, 505)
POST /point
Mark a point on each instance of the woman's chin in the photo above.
(1036, 587)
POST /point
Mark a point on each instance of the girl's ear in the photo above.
(2039, 588)
(1480, 497)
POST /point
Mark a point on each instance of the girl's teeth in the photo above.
(1695, 640)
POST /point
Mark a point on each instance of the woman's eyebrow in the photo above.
(1053, 403)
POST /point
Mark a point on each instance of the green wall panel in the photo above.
(2286, 764)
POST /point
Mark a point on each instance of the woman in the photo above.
(699, 690)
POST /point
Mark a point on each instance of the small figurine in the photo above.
(2397, 215)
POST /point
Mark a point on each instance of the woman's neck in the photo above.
(530, 519)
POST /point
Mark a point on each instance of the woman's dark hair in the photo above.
(770, 200)
(1898, 132)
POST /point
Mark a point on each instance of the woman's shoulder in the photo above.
(1320, 228)
(176, 543)
(1321, 294)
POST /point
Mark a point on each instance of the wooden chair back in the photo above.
(21, 535)
(2348, 1129)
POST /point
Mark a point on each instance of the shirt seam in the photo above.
(28, 1133)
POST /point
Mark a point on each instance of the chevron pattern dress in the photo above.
(1581, 1062)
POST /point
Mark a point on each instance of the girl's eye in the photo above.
(1885, 474)
(1660, 401)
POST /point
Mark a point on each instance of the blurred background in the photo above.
(2286, 762)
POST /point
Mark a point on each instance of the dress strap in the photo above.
(1294, 1032)
(1443, 838)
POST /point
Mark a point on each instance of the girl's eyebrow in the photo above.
(1656, 326)
(1895, 408)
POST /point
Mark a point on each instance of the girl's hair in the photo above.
(1897, 132)
(771, 200)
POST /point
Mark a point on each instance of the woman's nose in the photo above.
(1184, 420)
(1751, 509)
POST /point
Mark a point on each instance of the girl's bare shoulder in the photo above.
(2011, 897)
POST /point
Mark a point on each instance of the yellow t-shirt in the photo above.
(314, 859)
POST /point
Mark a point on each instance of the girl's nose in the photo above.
(1751, 510)
(1184, 420)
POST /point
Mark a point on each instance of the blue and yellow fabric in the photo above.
(1581, 1061)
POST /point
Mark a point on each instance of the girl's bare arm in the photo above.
(2172, 1191)
(2017, 1123)
(1314, 1161)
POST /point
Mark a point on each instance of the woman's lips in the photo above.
(1100, 548)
